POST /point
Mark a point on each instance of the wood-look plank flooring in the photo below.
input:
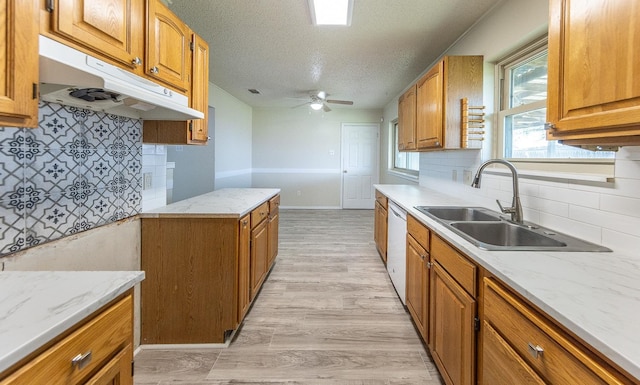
(327, 314)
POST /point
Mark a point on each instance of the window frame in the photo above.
(393, 150)
(502, 98)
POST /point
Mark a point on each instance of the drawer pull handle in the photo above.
(81, 360)
(535, 350)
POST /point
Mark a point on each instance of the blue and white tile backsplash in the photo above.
(78, 170)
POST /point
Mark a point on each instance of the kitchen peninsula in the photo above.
(206, 259)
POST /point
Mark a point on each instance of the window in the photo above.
(403, 162)
(522, 79)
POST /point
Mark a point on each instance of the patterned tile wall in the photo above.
(78, 170)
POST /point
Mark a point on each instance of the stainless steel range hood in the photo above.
(104, 87)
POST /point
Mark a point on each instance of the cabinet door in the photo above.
(199, 89)
(112, 28)
(274, 223)
(451, 328)
(259, 256)
(429, 108)
(380, 231)
(244, 285)
(417, 284)
(501, 365)
(116, 372)
(593, 82)
(19, 64)
(407, 120)
(168, 56)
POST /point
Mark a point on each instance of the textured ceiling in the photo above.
(272, 46)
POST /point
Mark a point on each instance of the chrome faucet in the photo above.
(516, 207)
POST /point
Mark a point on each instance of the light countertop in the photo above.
(37, 306)
(595, 295)
(224, 203)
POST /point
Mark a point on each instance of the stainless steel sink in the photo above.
(455, 213)
(487, 230)
(505, 234)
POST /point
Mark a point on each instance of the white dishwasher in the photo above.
(397, 248)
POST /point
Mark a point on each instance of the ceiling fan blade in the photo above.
(300, 105)
(347, 102)
(325, 108)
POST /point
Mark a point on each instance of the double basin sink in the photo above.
(487, 230)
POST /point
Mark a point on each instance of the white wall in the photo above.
(298, 151)
(232, 139)
(604, 213)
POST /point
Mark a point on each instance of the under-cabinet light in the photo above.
(331, 12)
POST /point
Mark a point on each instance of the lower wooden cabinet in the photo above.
(201, 275)
(530, 347)
(98, 352)
(380, 225)
(418, 265)
(274, 224)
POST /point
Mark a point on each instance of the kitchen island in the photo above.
(206, 259)
(594, 296)
(47, 309)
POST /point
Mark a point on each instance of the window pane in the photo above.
(525, 138)
(529, 81)
(404, 160)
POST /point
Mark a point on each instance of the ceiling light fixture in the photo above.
(331, 12)
(316, 105)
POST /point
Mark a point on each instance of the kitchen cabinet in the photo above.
(111, 29)
(380, 225)
(438, 101)
(168, 57)
(274, 224)
(259, 247)
(99, 351)
(244, 266)
(593, 88)
(418, 265)
(19, 84)
(407, 120)
(452, 313)
(193, 131)
(520, 343)
(203, 272)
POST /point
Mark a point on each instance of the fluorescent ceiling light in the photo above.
(331, 12)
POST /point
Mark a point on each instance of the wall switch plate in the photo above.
(466, 176)
(147, 179)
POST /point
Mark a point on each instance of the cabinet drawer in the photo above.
(274, 205)
(460, 268)
(100, 339)
(558, 361)
(418, 231)
(381, 198)
(259, 214)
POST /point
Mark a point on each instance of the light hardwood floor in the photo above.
(327, 314)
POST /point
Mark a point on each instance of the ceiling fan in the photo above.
(318, 100)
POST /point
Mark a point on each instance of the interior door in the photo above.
(359, 164)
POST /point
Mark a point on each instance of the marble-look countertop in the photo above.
(224, 203)
(38, 306)
(595, 295)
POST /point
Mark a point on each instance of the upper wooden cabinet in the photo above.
(19, 82)
(438, 105)
(168, 56)
(112, 29)
(194, 131)
(407, 120)
(593, 83)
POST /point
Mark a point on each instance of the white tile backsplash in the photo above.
(154, 161)
(604, 213)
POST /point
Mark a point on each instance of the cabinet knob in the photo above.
(81, 360)
(154, 70)
(429, 264)
(535, 350)
(549, 126)
(136, 61)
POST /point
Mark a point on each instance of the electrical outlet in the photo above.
(298, 193)
(454, 175)
(147, 178)
(466, 176)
